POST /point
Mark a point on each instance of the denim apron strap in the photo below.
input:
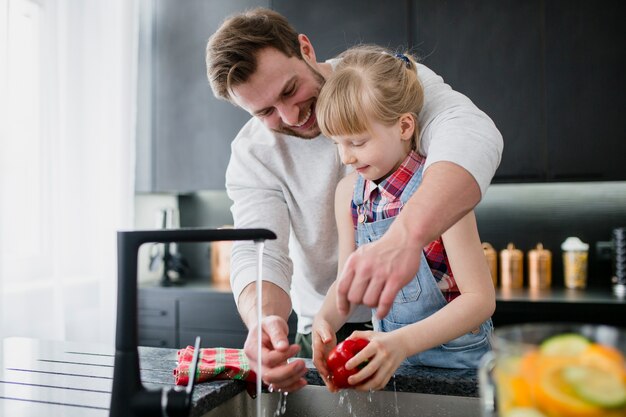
(359, 190)
(412, 186)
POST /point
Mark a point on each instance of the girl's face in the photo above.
(378, 153)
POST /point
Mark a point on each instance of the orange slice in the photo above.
(554, 395)
(606, 358)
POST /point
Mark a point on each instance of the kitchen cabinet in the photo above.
(491, 52)
(173, 317)
(184, 133)
(585, 89)
(157, 320)
(212, 316)
(550, 75)
(334, 26)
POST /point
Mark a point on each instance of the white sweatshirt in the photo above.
(287, 185)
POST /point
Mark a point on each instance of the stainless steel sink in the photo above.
(315, 401)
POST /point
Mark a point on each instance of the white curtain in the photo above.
(67, 96)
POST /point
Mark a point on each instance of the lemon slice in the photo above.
(568, 344)
(524, 412)
(595, 386)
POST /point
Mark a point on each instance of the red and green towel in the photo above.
(214, 364)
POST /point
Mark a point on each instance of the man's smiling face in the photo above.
(282, 93)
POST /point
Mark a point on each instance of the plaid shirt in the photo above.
(383, 201)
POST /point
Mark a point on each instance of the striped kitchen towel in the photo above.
(214, 364)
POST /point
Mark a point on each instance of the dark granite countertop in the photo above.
(74, 379)
(157, 363)
(421, 379)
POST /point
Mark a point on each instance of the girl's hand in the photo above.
(323, 340)
(385, 355)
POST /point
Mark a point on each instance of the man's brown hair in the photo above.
(231, 51)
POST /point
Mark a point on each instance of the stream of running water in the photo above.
(259, 297)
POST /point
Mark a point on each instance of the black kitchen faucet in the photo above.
(129, 397)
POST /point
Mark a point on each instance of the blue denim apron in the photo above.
(421, 297)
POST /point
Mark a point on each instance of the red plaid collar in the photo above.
(391, 187)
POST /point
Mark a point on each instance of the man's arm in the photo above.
(276, 302)
(447, 193)
(258, 202)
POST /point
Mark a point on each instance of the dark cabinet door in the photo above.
(491, 52)
(586, 89)
(156, 319)
(184, 141)
(192, 129)
(333, 26)
(549, 73)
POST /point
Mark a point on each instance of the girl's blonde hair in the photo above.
(369, 81)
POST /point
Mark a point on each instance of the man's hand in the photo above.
(275, 351)
(375, 272)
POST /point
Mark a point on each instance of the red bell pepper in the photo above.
(338, 357)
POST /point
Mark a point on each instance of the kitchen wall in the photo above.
(147, 207)
(527, 214)
(201, 209)
(524, 214)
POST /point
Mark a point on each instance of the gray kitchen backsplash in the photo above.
(524, 214)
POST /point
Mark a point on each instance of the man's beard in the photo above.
(315, 130)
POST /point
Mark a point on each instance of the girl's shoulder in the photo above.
(345, 187)
(349, 180)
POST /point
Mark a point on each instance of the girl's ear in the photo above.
(306, 49)
(407, 126)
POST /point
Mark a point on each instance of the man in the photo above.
(282, 176)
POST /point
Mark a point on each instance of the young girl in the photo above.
(369, 106)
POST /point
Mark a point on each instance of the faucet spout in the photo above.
(129, 398)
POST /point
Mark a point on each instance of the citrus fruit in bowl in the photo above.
(554, 370)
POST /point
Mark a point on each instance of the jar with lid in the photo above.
(511, 267)
(575, 254)
(492, 260)
(539, 268)
(220, 262)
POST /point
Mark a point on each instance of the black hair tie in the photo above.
(404, 58)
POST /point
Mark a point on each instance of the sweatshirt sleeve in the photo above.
(258, 202)
(453, 129)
